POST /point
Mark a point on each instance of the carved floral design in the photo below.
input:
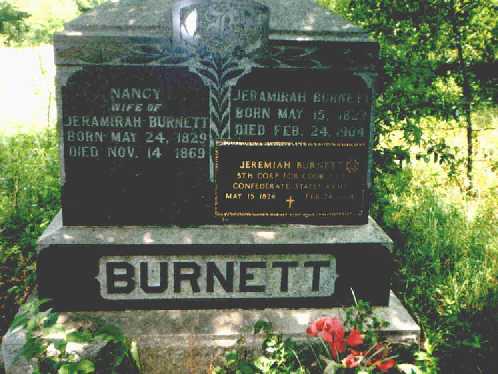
(221, 27)
(220, 74)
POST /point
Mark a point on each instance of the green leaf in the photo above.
(54, 330)
(20, 320)
(263, 363)
(231, 358)
(135, 355)
(51, 320)
(263, 326)
(473, 342)
(110, 333)
(218, 370)
(327, 360)
(60, 344)
(245, 368)
(79, 337)
(32, 348)
(331, 368)
(86, 367)
(67, 369)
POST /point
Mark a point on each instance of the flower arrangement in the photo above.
(335, 346)
(350, 351)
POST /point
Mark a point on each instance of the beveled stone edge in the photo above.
(369, 234)
(73, 48)
(405, 330)
(276, 35)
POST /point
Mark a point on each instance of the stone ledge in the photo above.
(370, 233)
(173, 341)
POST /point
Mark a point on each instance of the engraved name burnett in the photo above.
(250, 276)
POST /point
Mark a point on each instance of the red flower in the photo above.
(331, 331)
(384, 366)
(315, 327)
(334, 325)
(334, 335)
(357, 353)
(351, 361)
(337, 346)
(355, 338)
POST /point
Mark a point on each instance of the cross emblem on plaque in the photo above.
(290, 201)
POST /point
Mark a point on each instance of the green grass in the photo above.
(447, 259)
(29, 199)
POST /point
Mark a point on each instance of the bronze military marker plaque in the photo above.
(315, 181)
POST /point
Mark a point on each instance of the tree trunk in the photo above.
(467, 100)
(467, 108)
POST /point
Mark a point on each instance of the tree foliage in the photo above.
(439, 59)
(12, 23)
(86, 5)
(25, 22)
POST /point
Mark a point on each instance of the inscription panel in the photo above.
(184, 277)
(300, 105)
(132, 137)
(291, 181)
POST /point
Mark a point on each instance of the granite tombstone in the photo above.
(215, 117)
(180, 123)
(209, 114)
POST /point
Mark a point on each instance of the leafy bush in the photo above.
(86, 5)
(447, 255)
(12, 23)
(29, 199)
(58, 348)
(35, 22)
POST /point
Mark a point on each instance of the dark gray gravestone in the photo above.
(199, 112)
(220, 112)
(180, 120)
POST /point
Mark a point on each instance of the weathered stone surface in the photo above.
(151, 17)
(190, 341)
(233, 266)
(147, 89)
(371, 233)
(11, 347)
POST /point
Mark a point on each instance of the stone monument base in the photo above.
(181, 341)
(84, 268)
